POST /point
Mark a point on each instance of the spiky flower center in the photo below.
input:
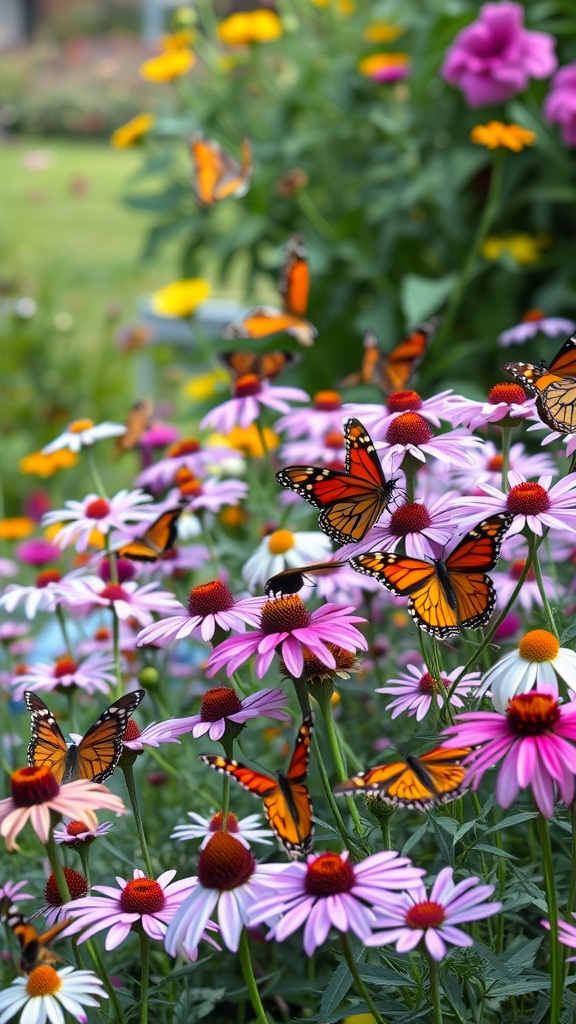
(494, 465)
(65, 667)
(246, 385)
(315, 669)
(532, 714)
(404, 401)
(284, 615)
(48, 576)
(430, 685)
(43, 981)
(76, 882)
(210, 598)
(114, 592)
(280, 541)
(410, 518)
(142, 896)
(187, 446)
(224, 863)
(217, 819)
(218, 703)
(532, 315)
(426, 914)
(77, 828)
(334, 439)
(538, 645)
(79, 426)
(97, 509)
(517, 568)
(131, 732)
(509, 393)
(329, 875)
(327, 401)
(409, 428)
(527, 499)
(33, 786)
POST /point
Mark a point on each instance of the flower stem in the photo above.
(94, 472)
(64, 629)
(129, 776)
(360, 986)
(248, 974)
(506, 442)
(435, 990)
(57, 869)
(322, 694)
(144, 974)
(556, 957)
(535, 561)
(103, 975)
(329, 794)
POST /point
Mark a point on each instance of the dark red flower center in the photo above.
(32, 786)
(410, 518)
(327, 401)
(102, 634)
(210, 598)
(77, 828)
(408, 428)
(329, 875)
(114, 592)
(65, 667)
(511, 394)
(425, 915)
(334, 439)
(187, 446)
(531, 714)
(284, 615)
(125, 570)
(404, 401)
(527, 499)
(224, 863)
(218, 703)
(142, 896)
(97, 509)
(217, 819)
(532, 315)
(246, 385)
(429, 685)
(517, 568)
(345, 660)
(494, 465)
(48, 576)
(131, 732)
(77, 885)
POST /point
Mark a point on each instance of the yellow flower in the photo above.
(16, 527)
(51, 531)
(167, 66)
(360, 1018)
(180, 298)
(247, 440)
(179, 40)
(382, 32)
(233, 517)
(260, 26)
(130, 133)
(346, 7)
(496, 135)
(522, 247)
(206, 385)
(384, 66)
(40, 464)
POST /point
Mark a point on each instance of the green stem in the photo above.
(506, 443)
(360, 986)
(535, 561)
(103, 975)
(130, 785)
(435, 990)
(94, 472)
(572, 890)
(556, 953)
(323, 694)
(57, 869)
(248, 974)
(386, 831)
(144, 974)
(64, 629)
(328, 792)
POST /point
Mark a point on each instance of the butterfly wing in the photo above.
(290, 581)
(416, 782)
(100, 749)
(415, 579)
(159, 538)
(466, 567)
(294, 284)
(217, 175)
(32, 944)
(137, 423)
(263, 321)
(537, 379)
(402, 362)
(556, 405)
(266, 365)
(47, 747)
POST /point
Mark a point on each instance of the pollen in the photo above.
(43, 981)
(280, 541)
(33, 786)
(527, 499)
(142, 896)
(538, 645)
(217, 819)
(65, 667)
(79, 426)
(510, 394)
(187, 446)
(284, 615)
(327, 401)
(410, 518)
(210, 598)
(97, 509)
(428, 684)
(76, 882)
(404, 401)
(329, 875)
(246, 385)
(408, 428)
(224, 863)
(532, 714)
(426, 914)
(218, 703)
(48, 576)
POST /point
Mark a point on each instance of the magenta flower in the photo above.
(536, 322)
(37, 552)
(185, 454)
(495, 57)
(535, 736)
(328, 891)
(560, 103)
(246, 830)
(410, 434)
(421, 526)
(78, 833)
(417, 690)
(210, 605)
(97, 513)
(221, 705)
(414, 916)
(155, 733)
(324, 416)
(537, 506)
(507, 403)
(377, 417)
(94, 673)
(287, 624)
(128, 600)
(211, 495)
(566, 935)
(250, 395)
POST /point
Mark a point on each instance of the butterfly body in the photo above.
(290, 581)
(217, 175)
(97, 754)
(554, 387)
(157, 539)
(33, 946)
(437, 776)
(392, 371)
(137, 424)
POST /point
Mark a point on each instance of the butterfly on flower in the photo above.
(217, 175)
(418, 782)
(266, 365)
(290, 581)
(137, 424)
(553, 386)
(294, 286)
(33, 946)
(157, 539)
(351, 500)
(392, 371)
(285, 796)
(444, 595)
(99, 750)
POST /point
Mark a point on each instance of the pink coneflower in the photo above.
(536, 664)
(246, 830)
(210, 495)
(185, 454)
(416, 690)
(8, 568)
(12, 891)
(507, 404)
(35, 793)
(536, 738)
(176, 563)
(78, 833)
(97, 513)
(93, 674)
(566, 935)
(156, 733)
(284, 549)
(324, 450)
(148, 903)
(45, 993)
(37, 552)
(533, 505)
(487, 468)
(414, 917)
(410, 434)
(328, 891)
(42, 596)
(222, 705)
(377, 418)
(209, 605)
(56, 909)
(159, 435)
(535, 322)
(82, 433)
(325, 415)
(505, 583)
(251, 395)
(421, 526)
(128, 600)
(287, 624)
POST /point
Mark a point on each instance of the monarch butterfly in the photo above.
(32, 945)
(294, 285)
(554, 388)
(391, 371)
(435, 777)
(351, 500)
(217, 175)
(98, 752)
(444, 595)
(159, 538)
(266, 365)
(137, 423)
(286, 798)
(290, 581)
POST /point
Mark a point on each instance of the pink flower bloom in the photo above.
(506, 402)
(325, 450)
(377, 417)
(181, 559)
(128, 600)
(149, 903)
(410, 434)
(77, 833)
(324, 416)
(420, 526)
(159, 435)
(94, 674)
(186, 454)
(287, 624)
(11, 890)
(37, 552)
(209, 605)
(566, 935)
(535, 736)
(549, 325)
(213, 495)
(221, 705)
(495, 57)
(250, 395)
(414, 916)
(560, 103)
(155, 733)
(246, 830)
(534, 505)
(8, 568)
(97, 513)
(416, 690)
(328, 891)
(42, 596)
(487, 468)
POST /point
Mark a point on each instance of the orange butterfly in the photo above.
(32, 945)
(98, 752)
(217, 175)
(554, 387)
(391, 371)
(435, 777)
(351, 500)
(447, 595)
(294, 286)
(286, 797)
(136, 425)
(266, 365)
(159, 538)
(290, 581)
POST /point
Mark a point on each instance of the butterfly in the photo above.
(98, 752)
(294, 285)
(217, 175)
(159, 538)
(290, 581)
(351, 501)
(444, 595)
(391, 371)
(286, 797)
(554, 387)
(137, 423)
(266, 365)
(32, 945)
(435, 777)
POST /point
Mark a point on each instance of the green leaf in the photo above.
(196, 1003)
(338, 986)
(422, 296)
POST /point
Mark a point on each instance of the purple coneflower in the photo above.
(94, 674)
(422, 526)
(222, 705)
(416, 690)
(37, 552)
(326, 414)
(377, 418)
(185, 454)
(507, 404)
(78, 833)
(488, 461)
(410, 434)
(97, 513)
(535, 322)
(533, 505)
(210, 605)
(250, 395)
(128, 600)
(246, 830)
(42, 596)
